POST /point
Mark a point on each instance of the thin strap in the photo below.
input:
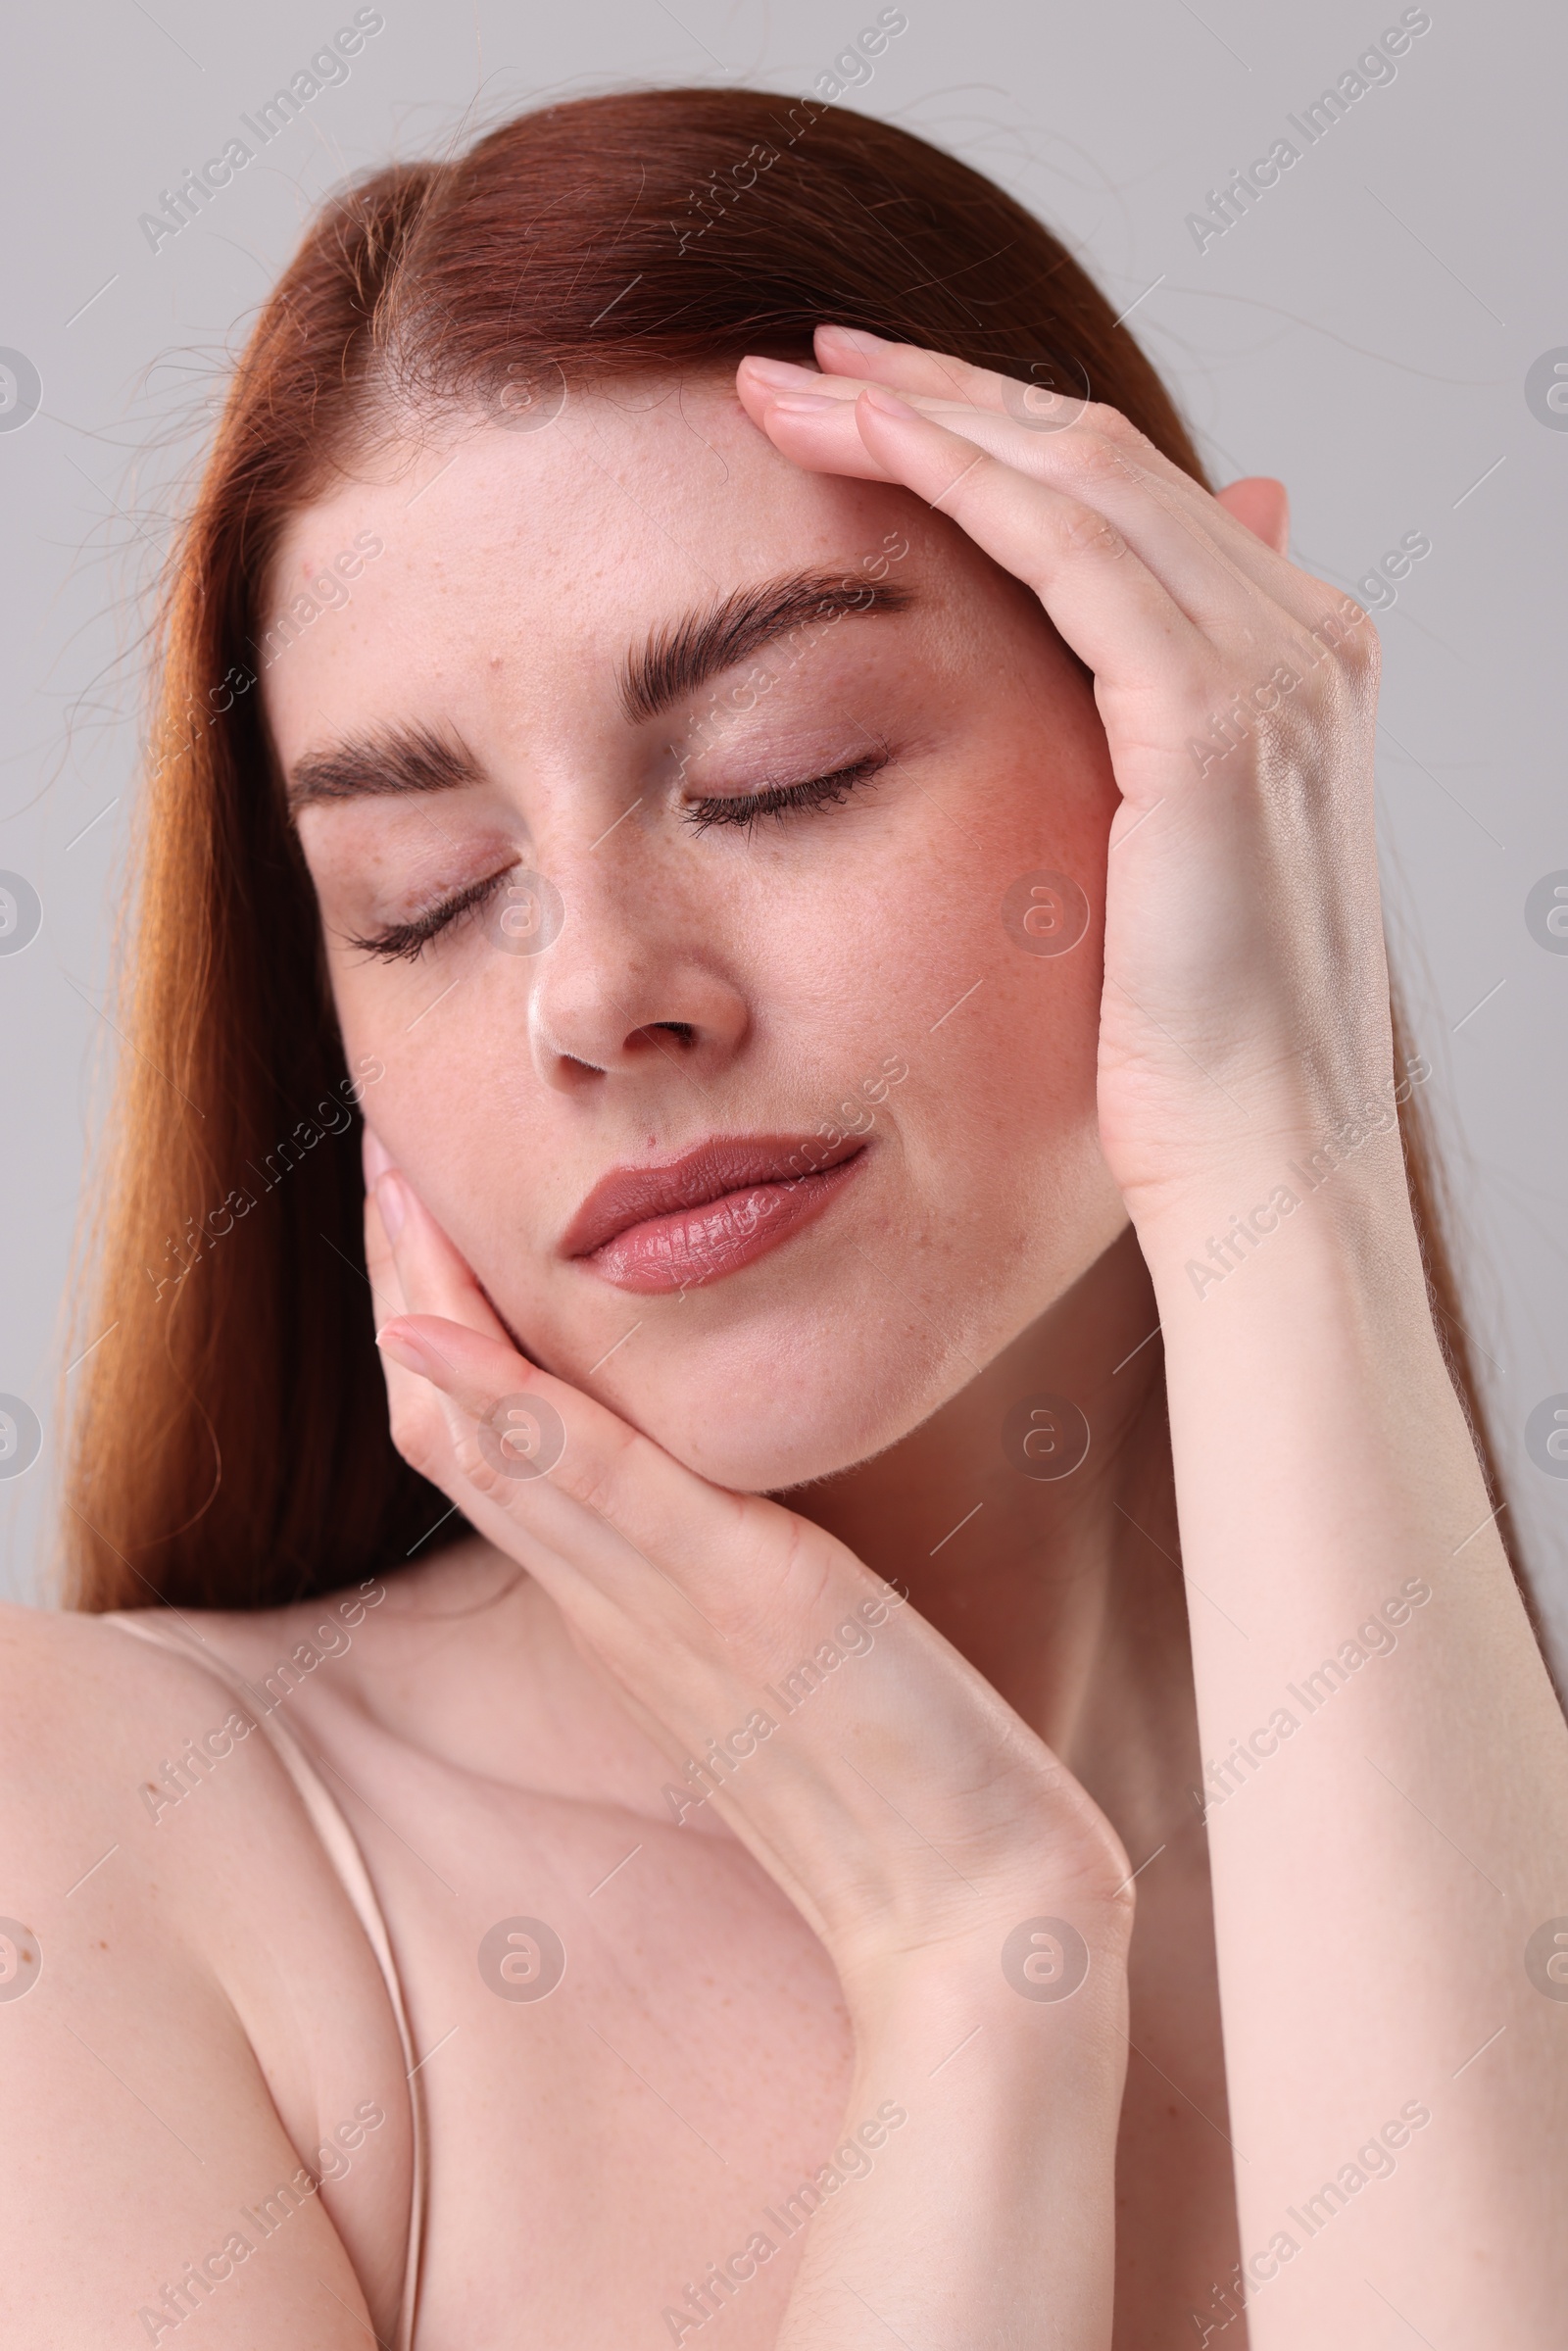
(343, 1852)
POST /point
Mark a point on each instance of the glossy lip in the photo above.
(718, 1207)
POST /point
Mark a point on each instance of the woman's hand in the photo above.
(1383, 1828)
(1246, 995)
(899, 1801)
(974, 1901)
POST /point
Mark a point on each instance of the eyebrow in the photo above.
(392, 759)
(676, 661)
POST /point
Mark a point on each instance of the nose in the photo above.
(632, 984)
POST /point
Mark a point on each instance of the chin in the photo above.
(768, 1455)
(813, 1360)
(768, 1443)
(788, 1398)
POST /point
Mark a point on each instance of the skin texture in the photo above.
(800, 959)
(774, 1458)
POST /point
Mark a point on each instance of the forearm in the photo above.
(1387, 1786)
(985, 2213)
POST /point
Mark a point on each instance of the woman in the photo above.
(708, 696)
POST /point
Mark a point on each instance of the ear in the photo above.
(1264, 506)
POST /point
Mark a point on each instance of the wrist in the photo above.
(1308, 1130)
(1335, 1198)
(1037, 1985)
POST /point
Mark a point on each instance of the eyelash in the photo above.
(778, 800)
(406, 941)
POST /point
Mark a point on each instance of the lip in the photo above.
(720, 1206)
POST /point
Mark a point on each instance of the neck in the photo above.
(1054, 1575)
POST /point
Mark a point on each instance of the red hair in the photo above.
(231, 1446)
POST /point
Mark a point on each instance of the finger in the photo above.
(728, 1560)
(1211, 565)
(414, 1268)
(773, 376)
(445, 1384)
(1110, 608)
(849, 354)
(908, 367)
(375, 1155)
(447, 1340)
(835, 446)
(434, 1277)
(386, 1291)
(596, 1458)
(1260, 504)
(418, 1417)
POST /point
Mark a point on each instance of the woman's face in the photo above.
(769, 1124)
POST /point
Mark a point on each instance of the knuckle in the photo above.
(481, 1474)
(1109, 422)
(1340, 642)
(951, 501)
(1084, 531)
(416, 1432)
(1363, 654)
(1092, 461)
(597, 1478)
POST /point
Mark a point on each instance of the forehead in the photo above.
(554, 547)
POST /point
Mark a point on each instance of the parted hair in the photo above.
(229, 1443)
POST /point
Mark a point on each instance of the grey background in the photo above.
(1364, 332)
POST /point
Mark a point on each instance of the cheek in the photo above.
(998, 1127)
(453, 1044)
(928, 1020)
(990, 956)
(970, 948)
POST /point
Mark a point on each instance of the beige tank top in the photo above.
(338, 1843)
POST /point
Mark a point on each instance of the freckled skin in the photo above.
(801, 955)
(515, 1725)
(801, 958)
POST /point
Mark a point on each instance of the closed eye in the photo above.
(406, 941)
(778, 800)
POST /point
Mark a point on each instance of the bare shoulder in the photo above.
(70, 1677)
(83, 1708)
(173, 1980)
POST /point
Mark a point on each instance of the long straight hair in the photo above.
(230, 1445)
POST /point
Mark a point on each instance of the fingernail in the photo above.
(888, 402)
(403, 1350)
(858, 338)
(805, 404)
(392, 1201)
(781, 371)
(376, 1158)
